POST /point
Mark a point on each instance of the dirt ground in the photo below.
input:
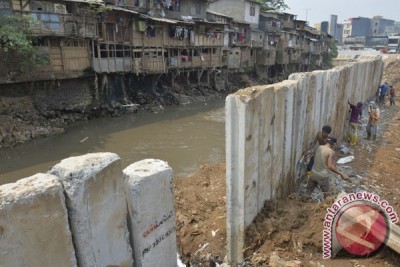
(290, 229)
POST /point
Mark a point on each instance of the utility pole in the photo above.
(307, 9)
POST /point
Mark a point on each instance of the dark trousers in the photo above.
(310, 164)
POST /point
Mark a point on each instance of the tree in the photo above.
(332, 52)
(278, 5)
(17, 42)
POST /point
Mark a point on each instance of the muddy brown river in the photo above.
(184, 136)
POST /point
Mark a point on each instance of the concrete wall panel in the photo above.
(235, 165)
(289, 139)
(96, 203)
(252, 155)
(318, 93)
(300, 116)
(149, 190)
(34, 228)
(278, 140)
(266, 118)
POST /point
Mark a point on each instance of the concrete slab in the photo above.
(149, 191)
(34, 228)
(97, 208)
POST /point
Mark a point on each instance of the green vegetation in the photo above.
(278, 5)
(333, 52)
(17, 42)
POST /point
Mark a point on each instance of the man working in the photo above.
(372, 125)
(323, 165)
(320, 139)
(382, 94)
(355, 113)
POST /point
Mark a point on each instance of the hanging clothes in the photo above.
(185, 33)
(140, 26)
(151, 31)
(240, 36)
(172, 32)
(191, 37)
(178, 32)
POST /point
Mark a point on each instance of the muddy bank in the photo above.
(36, 110)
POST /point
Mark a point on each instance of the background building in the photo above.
(332, 25)
(324, 26)
(380, 26)
(339, 33)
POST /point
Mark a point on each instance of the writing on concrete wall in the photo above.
(158, 241)
(156, 225)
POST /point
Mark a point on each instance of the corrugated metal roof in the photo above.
(123, 9)
(172, 21)
(97, 2)
(211, 22)
(166, 20)
(216, 13)
(241, 22)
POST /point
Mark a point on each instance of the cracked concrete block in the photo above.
(34, 228)
(97, 209)
(149, 191)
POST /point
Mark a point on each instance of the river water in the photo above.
(184, 136)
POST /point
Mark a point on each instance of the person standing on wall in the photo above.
(324, 164)
(372, 125)
(392, 93)
(320, 139)
(355, 114)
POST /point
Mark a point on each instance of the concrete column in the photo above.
(235, 166)
(34, 228)
(96, 203)
(149, 191)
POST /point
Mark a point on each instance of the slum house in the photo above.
(319, 47)
(240, 10)
(287, 44)
(112, 51)
(266, 57)
(244, 39)
(307, 39)
(64, 30)
(192, 44)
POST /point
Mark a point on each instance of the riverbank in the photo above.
(24, 117)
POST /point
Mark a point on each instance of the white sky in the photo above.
(320, 10)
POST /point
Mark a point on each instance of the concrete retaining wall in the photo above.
(268, 127)
(77, 215)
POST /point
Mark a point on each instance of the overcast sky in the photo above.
(320, 10)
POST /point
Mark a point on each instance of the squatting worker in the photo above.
(324, 164)
(320, 139)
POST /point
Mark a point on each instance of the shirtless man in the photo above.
(324, 164)
(320, 139)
